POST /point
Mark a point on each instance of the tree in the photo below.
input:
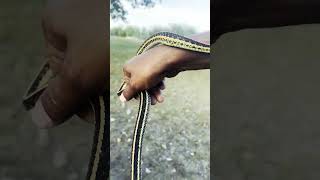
(117, 11)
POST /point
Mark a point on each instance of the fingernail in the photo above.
(122, 98)
(40, 116)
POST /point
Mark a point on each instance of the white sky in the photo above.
(195, 13)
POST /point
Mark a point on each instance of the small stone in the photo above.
(168, 159)
(148, 171)
(173, 170)
(128, 111)
(164, 146)
(118, 140)
(112, 119)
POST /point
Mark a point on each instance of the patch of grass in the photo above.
(176, 141)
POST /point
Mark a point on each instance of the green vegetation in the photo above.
(176, 144)
(142, 33)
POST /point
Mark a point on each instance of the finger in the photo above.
(153, 100)
(75, 82)
(59, 100)
(157, 95)
(136, 97)
(40, 117)
(128, 93)
(155, 92)
(162, 85)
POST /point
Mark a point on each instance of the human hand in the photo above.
(76, 38)
(148, 70)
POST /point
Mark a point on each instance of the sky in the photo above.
(195, 13)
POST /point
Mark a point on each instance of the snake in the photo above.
(161, 38)
(99, 164)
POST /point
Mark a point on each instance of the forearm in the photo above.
(184, 60)
(202, 37)
(236, 15)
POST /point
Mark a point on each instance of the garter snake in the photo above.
(162, 38)
(98, 168)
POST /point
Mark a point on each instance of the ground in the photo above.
(176, 141)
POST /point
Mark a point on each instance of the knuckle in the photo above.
(75, 77)
(126, 68)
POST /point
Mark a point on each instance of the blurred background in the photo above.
(266, 104)
(176, 141)
(177, 136)
(27, 153)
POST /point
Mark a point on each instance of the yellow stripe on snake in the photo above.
(98, 168)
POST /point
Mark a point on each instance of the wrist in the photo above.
(178, 60)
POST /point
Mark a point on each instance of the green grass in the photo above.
(176, 141)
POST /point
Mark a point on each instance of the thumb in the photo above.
(128, 93)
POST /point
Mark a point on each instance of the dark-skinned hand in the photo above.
(77, 48)
(148, 70)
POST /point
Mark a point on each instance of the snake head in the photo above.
(38, 85)
(121, 89)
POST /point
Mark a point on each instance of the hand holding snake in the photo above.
(148, 70)
(77, 48)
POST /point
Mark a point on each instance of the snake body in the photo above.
(99, 165)
(167, 39)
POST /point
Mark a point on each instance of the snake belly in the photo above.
(99, 165)
(161, 38)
